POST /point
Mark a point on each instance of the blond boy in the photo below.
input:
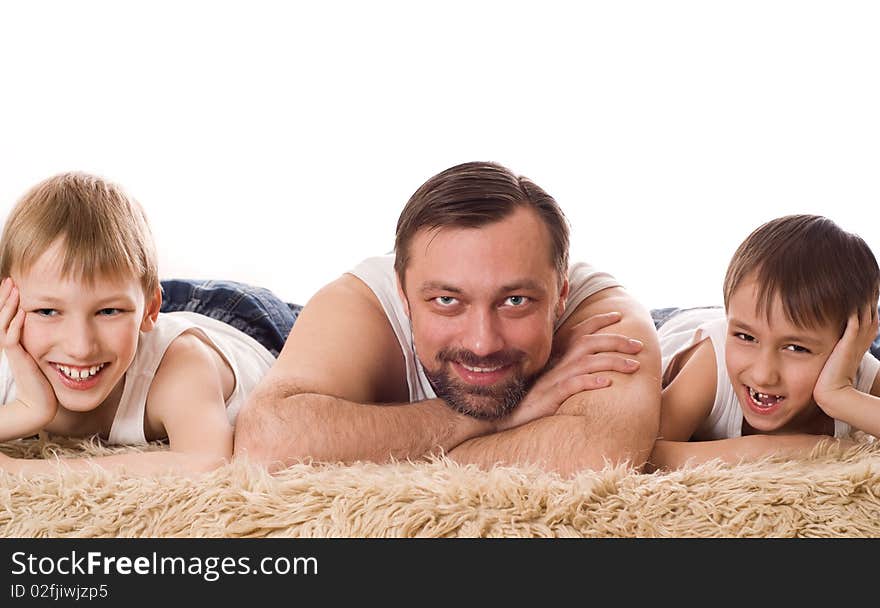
(86, 350)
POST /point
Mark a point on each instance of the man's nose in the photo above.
(482, 335)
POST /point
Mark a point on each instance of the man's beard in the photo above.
(483, 402)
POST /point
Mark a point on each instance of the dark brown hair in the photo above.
(821, 273)
(104, 232)
(472, 195)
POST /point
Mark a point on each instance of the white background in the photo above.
(276, 143)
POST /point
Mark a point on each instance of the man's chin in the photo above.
(482, 408)
(481, 402)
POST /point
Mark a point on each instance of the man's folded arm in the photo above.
(338, 392)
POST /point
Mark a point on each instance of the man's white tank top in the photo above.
(378, 273)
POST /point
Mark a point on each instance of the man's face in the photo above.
(483, 302)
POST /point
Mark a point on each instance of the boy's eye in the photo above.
(46, 312)
(744, 337)
(109, 312)
(516, 301)
(795, 348)
(445, 300)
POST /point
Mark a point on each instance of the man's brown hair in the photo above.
(821, 273)
(103, 231)
(472, 195)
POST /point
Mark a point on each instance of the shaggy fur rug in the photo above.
(828, 494)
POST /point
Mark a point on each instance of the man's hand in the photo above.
(838, 375)
(32, 388)
(579, 358)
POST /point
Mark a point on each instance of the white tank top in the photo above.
(248, 359)
(378, 273)
(725, 420)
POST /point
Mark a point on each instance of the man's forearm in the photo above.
(279, 431)
(605, 433)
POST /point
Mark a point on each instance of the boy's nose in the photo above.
(765, 371)
(80, 343)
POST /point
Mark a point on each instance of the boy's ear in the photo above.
(151, 312)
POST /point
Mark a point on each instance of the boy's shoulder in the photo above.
(190, 368)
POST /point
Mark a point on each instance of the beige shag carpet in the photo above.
(829, 494)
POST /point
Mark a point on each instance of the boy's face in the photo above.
(774, 364)
(83, 337)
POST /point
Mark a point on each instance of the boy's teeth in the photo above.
(80, 374)
(764, 399)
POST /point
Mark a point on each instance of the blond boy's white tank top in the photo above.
(378, 273)
(689, 327)
(248, 359)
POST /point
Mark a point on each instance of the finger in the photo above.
(593, 324)
(5, 286)
(852, 327)
(869, 314)
(604, 362)
(599, 343)
(9, 308)
(578, 384)
(865, 315)
(13, 334)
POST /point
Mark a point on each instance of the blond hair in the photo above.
(103, 231)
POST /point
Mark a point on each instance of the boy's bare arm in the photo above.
(186, 400)
(687, 400)
(615, 424)
(338, 391)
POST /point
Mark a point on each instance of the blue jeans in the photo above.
(254, 310)
(661, 315)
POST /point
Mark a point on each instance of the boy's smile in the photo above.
(774, 364)
(82, 334)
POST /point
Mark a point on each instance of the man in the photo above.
(475, 340)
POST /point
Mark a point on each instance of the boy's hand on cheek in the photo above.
(32, 388)
(840, 369)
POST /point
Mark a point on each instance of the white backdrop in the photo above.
(275, 143)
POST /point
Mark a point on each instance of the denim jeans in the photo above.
(661, 315)
(253, 310)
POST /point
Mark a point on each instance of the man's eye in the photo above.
(445, 300)
(516, 300)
